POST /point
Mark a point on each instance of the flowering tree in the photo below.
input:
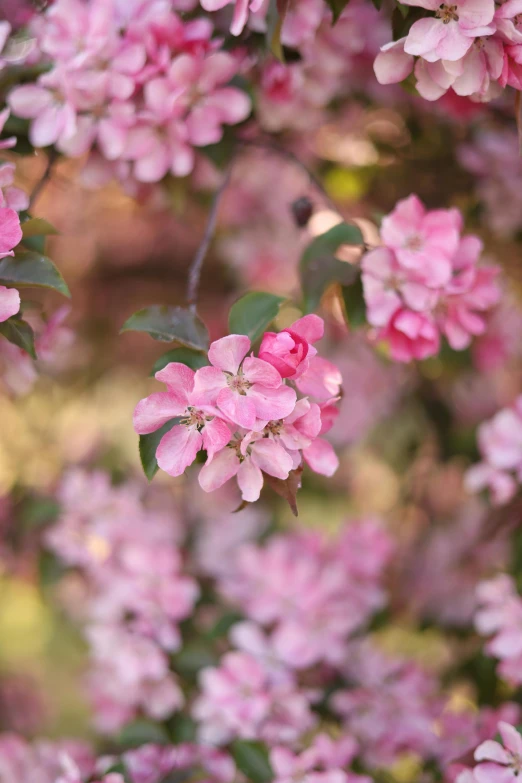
(340, 348)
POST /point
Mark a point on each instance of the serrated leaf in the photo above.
(287, 488)
(37, 227)
(170, 324)
(319, 267)
(20, 334)
(30, 268)
(337, 7)
(354, 306)
(192, 359)
(141, 732)
(252, 313)
(252, 760)
(148, 445)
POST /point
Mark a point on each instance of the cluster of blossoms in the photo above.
(133, 81)
(311, 592)
(425, 282)
(382, 687)
(243, 411)
(134, 597)
(497, 762)
(324, 761)
(500, 444)
(470, 46)
(499, 616)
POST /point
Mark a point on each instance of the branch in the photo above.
(44, 179)
(196, 266)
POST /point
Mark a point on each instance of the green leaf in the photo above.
(32, 269)
(194, 656)
(354, 305)
(149, 444)
(338, 6)
(252, 313)
(181, 728)
(252, 760)
(377, 4)
(19, 333)
(37, 227)
(141, 732)
(169, 324)
(319, 267)
(192, 359)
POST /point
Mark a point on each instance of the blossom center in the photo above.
(448, 13)
(194, 417)
(414, 242)
(239, 384)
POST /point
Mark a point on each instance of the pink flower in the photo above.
(289, 350)
(10, 231)
(393, 64)
(200, 426)
(500, 763)
(449, 34)
(247, 457)
(10, 196)
(9, 302)
(411, 336)
(424, 241)
(247, 390)
(241, 9)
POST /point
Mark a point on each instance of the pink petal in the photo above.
(9, 302)
(250, 481)
(10, 230)
(29, 100)
(309, 327)
(454, 43)
(491, 751)
(272, 404)
(233, 105)
(208, 382)
(493, 773)
(475, 13)
(321, 457)
(228, 352)
(237, 407)
(393, 64)
(511, 738)
(261, 372)
(240, 17)
(216, 436)
(178, 448)
(156, 410)
(424, 36)
(224, 465)
(272, 458)
(179, 379)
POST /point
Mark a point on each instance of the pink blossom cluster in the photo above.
(133, 81)
(247, 697)
(499, 616)
(10, 237)
(324, 761)
(472, 47)
(497, 762)
(154, 763)
(43, 761)
(295, 95)
(312, 593)
(500, 445)
(383, 688)
(424, 282)
(244, 411)
(134, 598)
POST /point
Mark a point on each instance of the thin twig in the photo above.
(44, 179)
(196, 266)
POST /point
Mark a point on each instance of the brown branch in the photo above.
(196, 266)
(44, 179)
